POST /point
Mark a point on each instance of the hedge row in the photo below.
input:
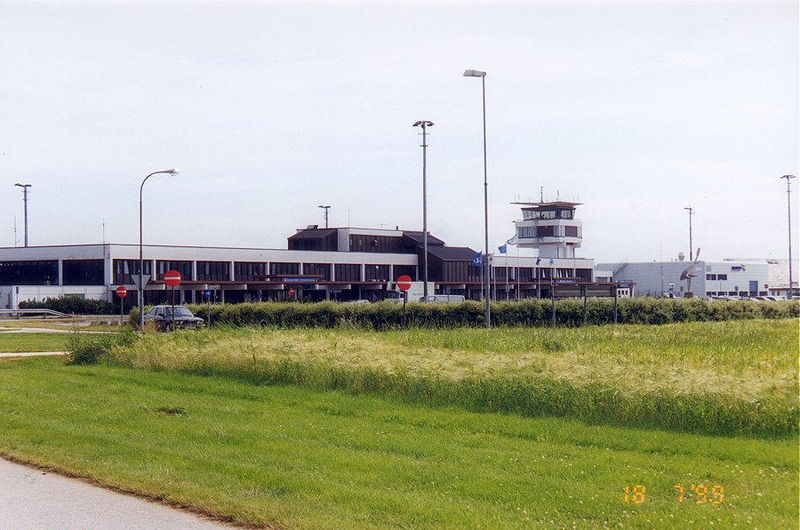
(389, 315)
(73, 305)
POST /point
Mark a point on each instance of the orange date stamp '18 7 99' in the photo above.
(700, 494)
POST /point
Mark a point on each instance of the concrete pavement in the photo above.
(30, 353)
(32, 499)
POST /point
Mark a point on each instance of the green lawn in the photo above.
(299, 458)
(713, 377)
(32, 342)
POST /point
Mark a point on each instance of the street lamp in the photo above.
(140, 292)
(25, 188)
(326, 208)
(691, 212)
(424, 124)
(486, 264)
(789, 211)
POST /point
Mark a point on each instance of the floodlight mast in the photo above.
(424, 124)
(691, 212)
(789, 213)
(326, 208)
(25, 188)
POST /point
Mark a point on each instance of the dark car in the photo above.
(162, 316)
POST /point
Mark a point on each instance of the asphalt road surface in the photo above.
(32, 499)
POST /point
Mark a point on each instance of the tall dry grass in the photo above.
(717, 377)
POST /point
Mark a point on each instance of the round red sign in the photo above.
(172, 278)
(404, 282)
(291, 291)
(122, 291)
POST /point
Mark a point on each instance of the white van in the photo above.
(443, 298)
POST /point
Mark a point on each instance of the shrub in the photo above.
(89, 348)
(531, 312)
(73, 305)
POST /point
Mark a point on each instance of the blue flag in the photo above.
(538, 260)
(503, 248)
(477, 261)
(552, 262)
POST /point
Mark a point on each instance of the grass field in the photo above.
(716, 377)
(32, 342)
(293, 457)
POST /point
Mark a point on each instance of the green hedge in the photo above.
(389, 315)
(73, 305)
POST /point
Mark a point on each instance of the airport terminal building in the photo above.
(345, 263)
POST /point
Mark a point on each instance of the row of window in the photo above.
(73, 272)
(735, 293)
(367, 243)
(716, 276)
(91, 272)
(455, 271)
(548, 214)
(547, 231)
(124, 271)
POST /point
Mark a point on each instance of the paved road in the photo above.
(31, 499)
(8, 329)
(30, 353)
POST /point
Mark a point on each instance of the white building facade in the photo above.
(713, 279)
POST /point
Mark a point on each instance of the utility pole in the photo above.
(424, 124)
(25, 188)
(789, 212)
(691, 212)
(326, 208)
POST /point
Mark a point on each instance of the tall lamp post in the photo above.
(691, 212)
(326, 208)
(486, 264)
(25, 188)
(424, 124)
(789, 212)
(140, 293)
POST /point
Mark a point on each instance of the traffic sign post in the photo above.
(122, 292)
(404, 284)
(173, 279)
(207, 297)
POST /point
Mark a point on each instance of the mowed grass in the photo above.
(293, 457)
(32, 342)
(731, 377)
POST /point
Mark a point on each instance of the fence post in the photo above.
(584, 304)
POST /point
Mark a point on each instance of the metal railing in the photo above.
(45, 313)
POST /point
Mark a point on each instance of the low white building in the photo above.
(712, 279)
(777, 274)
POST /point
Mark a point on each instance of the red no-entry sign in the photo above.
(404, 282)
(172, 278)
(122, 291)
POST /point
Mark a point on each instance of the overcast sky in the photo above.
(636, 109)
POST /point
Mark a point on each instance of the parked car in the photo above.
(162, 316)
(443, 298)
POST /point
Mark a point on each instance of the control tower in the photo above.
(550, 227)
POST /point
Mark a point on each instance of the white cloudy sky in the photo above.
(637, 109)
